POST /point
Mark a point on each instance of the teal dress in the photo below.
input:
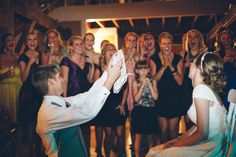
(70, 142)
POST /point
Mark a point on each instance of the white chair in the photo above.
(231, 117)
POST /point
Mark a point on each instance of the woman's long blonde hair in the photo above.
(201, 44)
(70, 43)
(60, 41)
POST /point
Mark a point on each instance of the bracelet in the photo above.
(122, 104)
(163, 69)
(173, 71)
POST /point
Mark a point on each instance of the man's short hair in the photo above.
(40, 77)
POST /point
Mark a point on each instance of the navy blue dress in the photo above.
(110, 116)
(29, 99)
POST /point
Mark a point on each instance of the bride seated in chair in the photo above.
(207, 136)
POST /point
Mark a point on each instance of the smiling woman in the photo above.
(169, 75)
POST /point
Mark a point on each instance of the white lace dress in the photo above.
(211, 147)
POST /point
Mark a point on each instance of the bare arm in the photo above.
(46, 59)
(179, 72)
(96, 74)
(65, 73)
(154, 90)
(189, 131)
(91, 73)
(123, 101)
(153, 67)
(96, 57)
(25, 68)
(201, 134)
(159, 74)
(137, 93)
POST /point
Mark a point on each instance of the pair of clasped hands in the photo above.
(145, 81)
(167, 61)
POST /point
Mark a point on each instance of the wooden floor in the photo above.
(128, 139)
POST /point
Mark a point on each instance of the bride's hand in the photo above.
(169, 144)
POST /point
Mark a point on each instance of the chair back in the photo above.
(231, 117)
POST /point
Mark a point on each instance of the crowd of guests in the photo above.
(158, 91)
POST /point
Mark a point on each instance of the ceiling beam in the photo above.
(100, 24)
(209, 19)
(179, 21)
(225, 22)
(35, 14)
(150, 9)
(194, 20)
(147, 22)
(131, 23)
(116, 23)
(163, 22)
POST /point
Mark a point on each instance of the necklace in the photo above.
(79, 60)
(161, 58)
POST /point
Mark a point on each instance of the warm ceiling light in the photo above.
(90, 20)
(121, 1)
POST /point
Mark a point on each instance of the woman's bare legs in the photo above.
(137, 145)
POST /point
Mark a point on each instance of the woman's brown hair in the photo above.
(212, 71)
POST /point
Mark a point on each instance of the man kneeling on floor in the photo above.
(59, 118)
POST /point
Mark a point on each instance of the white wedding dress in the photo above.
(214, 145)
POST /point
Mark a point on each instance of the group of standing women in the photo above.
(158, 91)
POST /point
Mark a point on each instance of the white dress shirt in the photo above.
(53, 114)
